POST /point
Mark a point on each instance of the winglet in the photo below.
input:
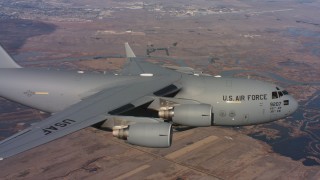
(129, 51)
(6, 61)
(135, 66)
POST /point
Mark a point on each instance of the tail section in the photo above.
(6, 61)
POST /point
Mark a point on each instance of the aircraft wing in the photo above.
(87, 112)
(137, 66)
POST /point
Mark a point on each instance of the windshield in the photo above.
(278, 94)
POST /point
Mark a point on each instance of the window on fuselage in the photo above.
(280, 93)
(274, 95)
(285, 92)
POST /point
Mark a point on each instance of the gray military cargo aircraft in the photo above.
(140, 104)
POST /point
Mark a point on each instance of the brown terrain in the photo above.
(264, 39)
(200, 153)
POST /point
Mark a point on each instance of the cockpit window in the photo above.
(274, 95)
(280, 93)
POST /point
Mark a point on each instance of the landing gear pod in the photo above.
(154, 135)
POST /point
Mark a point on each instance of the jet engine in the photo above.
(189, 114)
(154, 135)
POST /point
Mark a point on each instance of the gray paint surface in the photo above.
(79, 100)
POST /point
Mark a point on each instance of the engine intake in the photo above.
(189, 114)
(155, 135)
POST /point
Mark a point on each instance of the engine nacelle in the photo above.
(189, 114)
(155, 135)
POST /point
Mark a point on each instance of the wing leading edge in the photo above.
(90, 111)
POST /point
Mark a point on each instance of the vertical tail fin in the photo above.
(6, 61)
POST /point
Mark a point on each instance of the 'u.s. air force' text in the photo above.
(250, 97)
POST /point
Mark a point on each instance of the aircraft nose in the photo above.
(294, 105)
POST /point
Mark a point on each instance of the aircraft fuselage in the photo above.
(234, 101)
(237, 101)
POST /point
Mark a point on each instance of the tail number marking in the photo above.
(275, 107)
